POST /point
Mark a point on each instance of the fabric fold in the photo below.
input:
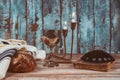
(6, 53)
(5, 59)
(4, 64)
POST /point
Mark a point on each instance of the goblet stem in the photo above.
(51, 51)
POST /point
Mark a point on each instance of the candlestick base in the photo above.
(53, 60)
(73, 25)
(63, 61)
(60, 59)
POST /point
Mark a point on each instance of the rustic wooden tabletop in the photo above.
(67, 72)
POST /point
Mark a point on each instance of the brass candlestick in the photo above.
(73, 25)
(65, 31)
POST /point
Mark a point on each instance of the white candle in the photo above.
(73, 17)
(73, 14)
(65, 25)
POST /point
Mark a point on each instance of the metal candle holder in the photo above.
(65, 31)
(64, 43)
(73, 25)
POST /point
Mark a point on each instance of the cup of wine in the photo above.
(51, 39)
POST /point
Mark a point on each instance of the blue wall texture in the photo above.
(98, 22)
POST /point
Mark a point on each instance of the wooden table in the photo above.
(67, 72)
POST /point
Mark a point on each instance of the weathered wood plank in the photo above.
(86, 30)
(30, 22)
(38, 21)
(99, 26)
(102, 24)
(2, 23)
(51, 14)
(18, 19)
(34, 22)
(115, 25)
(5, 28)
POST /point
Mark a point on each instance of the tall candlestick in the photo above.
(73, 25)
(65, 31)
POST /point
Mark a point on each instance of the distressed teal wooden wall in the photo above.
(98, 22)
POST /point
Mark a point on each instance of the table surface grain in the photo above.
(67, 72)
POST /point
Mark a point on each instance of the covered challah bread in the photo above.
(37, 54)
(22, 62)
(18, 56)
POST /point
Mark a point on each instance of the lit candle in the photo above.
(65, 25)
(73, 17)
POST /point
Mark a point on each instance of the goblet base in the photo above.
(49, 62)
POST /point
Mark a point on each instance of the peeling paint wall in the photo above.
(98, 22)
